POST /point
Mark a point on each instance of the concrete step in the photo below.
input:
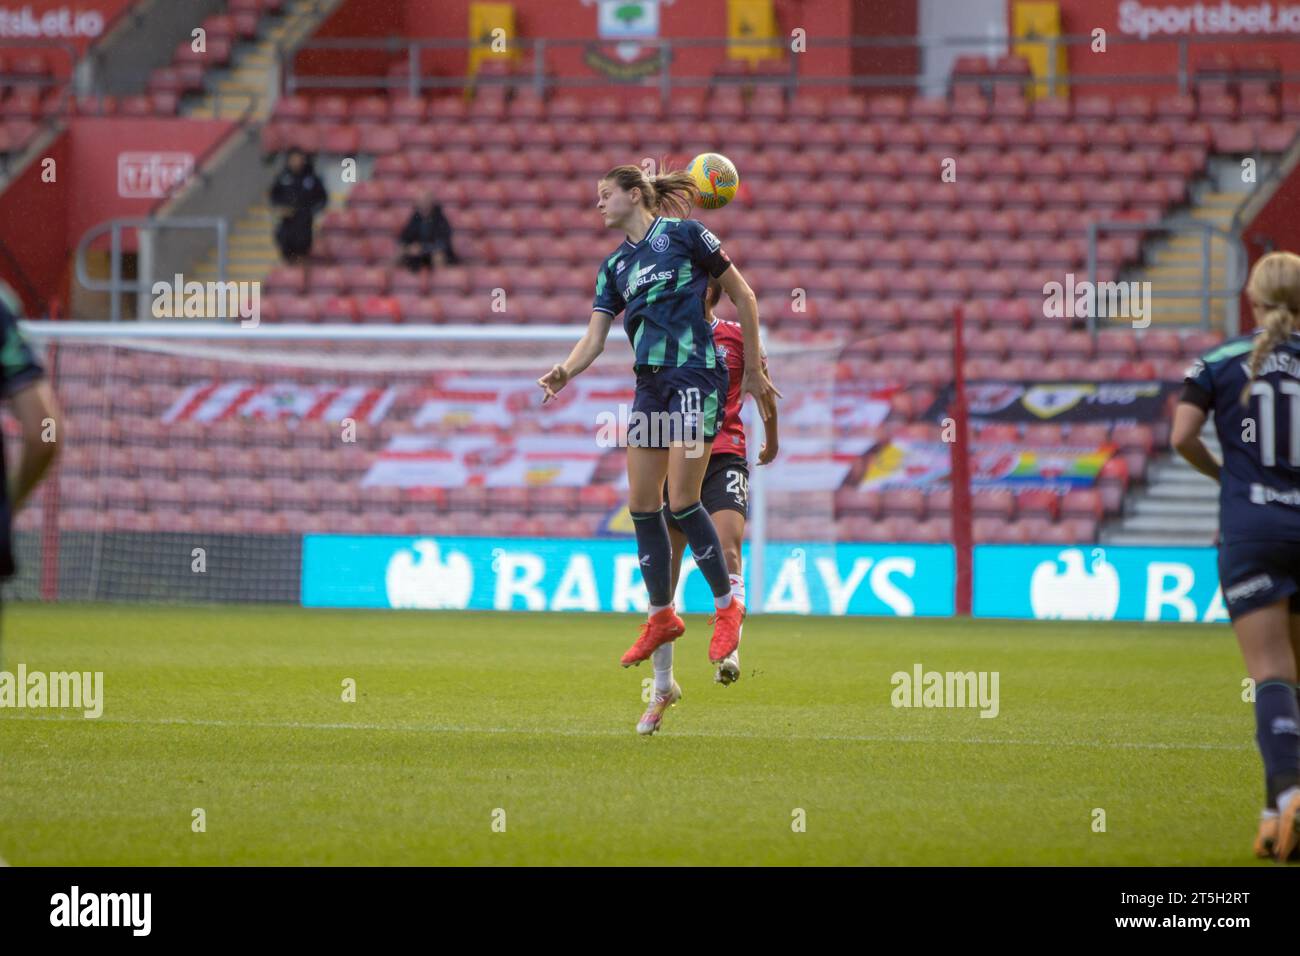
(1155, 539)
(1163, 524)
(1173, 508)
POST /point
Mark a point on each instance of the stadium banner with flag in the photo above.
(532, 461)
(1093, 583)
(502, 401)
(1042, 401)
(211, 401)
(904, 463)
(591, 574)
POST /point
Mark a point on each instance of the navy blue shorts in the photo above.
(1255, 574)
(677, 405)
(725, 488)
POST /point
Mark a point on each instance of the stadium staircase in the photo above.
(252, 252)
(1174, 262)
(253, 74)
(1178, 507)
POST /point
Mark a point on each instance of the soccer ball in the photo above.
(716, 177)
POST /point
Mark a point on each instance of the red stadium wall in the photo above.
(42, 222)
(896, 19)
(573, 19)
(97, 147)
(33, 229)
(370, 18)
(1277, 226)
(1160, 54)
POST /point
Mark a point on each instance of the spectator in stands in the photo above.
(426, 237)
(297, 196)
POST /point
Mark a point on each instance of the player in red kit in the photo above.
(725, 492)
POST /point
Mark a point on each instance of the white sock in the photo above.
(738, 587)
(1286, 796)
(662, 658)
(721, 602)
(656, 608)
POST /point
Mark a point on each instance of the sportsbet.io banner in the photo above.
(1035, 401)
(1035, 582)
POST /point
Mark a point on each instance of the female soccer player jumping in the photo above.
(657, 278)
(1252, 383)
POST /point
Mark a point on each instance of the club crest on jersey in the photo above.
(659, 243)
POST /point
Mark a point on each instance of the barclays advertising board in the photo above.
(531, 574)
(1098, 583)
(1086, 582)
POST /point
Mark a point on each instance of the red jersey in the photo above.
(729, 343)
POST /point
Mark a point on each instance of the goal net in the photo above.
(371, 466)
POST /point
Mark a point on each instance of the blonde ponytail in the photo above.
(1274, 291)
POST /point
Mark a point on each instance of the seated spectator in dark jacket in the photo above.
(297, 195)
(426, 237)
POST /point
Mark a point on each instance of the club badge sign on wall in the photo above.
(627, 24)
(150, 174)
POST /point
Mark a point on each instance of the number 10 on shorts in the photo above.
(691, 406)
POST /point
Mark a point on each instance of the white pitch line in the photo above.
(728, 735)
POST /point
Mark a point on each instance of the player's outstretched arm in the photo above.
(771, 443)
(1185, 437)
(584, 353)
(36, 409)
(756, 381)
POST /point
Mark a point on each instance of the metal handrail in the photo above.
(416, 81)
(1236, 259)
(115, 285)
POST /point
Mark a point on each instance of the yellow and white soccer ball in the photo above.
(716, 177)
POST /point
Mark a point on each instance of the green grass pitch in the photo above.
(238, 711)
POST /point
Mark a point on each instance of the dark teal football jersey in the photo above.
(1259, 493)
(659, 284)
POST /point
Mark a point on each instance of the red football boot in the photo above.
(663, 627)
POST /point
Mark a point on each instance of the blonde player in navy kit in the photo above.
(1252, 383)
